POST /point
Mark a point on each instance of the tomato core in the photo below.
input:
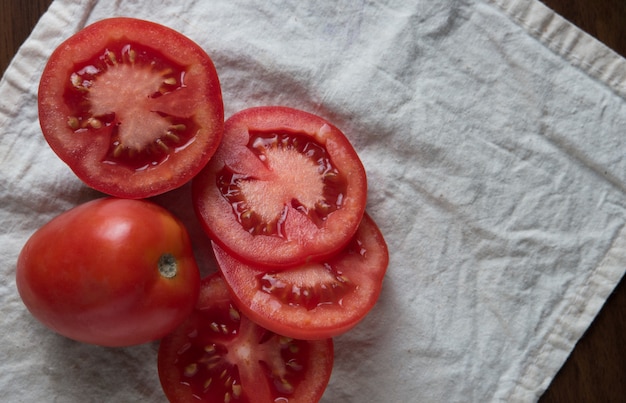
(117, 93)
(304, 178)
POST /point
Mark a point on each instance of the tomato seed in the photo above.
(246, 215)
(118, 149)
(94, 123)
(162, 145)
(172, 137)
(237, 391)
(73, 123)
(191, 370)
(132, 55)
(234, 314)
(111, 56)
(283, 340)
(294, 365)
(179, 127)
(284, 386)
(211, 362)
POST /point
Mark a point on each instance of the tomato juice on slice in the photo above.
(133, 107)
(285, 187)
(315, 300)
(219, 355)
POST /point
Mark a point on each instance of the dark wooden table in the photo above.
(596, 370)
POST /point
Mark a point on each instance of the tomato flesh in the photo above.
(305, 179)
(285, 187)
(123, 84)
(315, 300)
(134, 108)
(313, 287)
(219, 355)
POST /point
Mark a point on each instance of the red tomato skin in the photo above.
(305, 243)
(91, 273)
(361, 267)
(85, 154)
(196, 332)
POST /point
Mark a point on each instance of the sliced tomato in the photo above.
(285, 187)
(219, 355)
(316, 300)
(134, 108)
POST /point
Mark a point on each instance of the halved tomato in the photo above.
(219, 355)
(285, 187)
(316, 300)
(134, 108)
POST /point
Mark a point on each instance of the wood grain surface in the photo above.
(596, 370)
(17, 19)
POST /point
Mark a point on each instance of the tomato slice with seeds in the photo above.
(133, 107)
(285, 187)
(316, 300)
(219, 355)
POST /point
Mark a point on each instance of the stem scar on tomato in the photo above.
(168, 265)
(304, 178)
(117, 96)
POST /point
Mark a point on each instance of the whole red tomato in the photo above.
(111, 272)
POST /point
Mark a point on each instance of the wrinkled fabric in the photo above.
(492, 135)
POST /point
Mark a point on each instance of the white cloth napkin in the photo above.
(493, 136)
